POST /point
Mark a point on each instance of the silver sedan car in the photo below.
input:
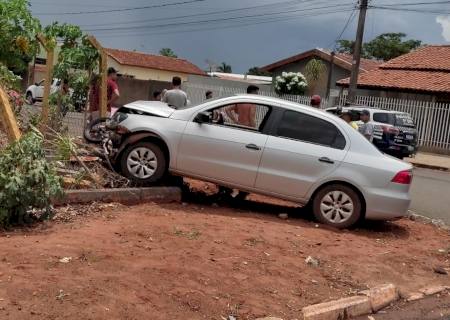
(267, 146)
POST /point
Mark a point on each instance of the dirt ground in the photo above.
(202, 260)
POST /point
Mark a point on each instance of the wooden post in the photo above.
(48, 79)
(7, 117)
(103, 66)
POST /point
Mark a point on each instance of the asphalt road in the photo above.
(430, 193)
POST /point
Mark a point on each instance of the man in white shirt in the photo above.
(175, 97)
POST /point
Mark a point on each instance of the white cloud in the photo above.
(445, 23)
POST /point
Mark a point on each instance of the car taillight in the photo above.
(390, 130)
(403, 177)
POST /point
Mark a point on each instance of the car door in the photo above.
(302, 150)
(223, 151)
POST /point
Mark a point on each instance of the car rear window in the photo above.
(303, 127)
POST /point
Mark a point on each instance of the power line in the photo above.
(409, 10)
(285, 3)
(119, 10)
(213, 20)
(235, 25)
(349, 20)
(415, 3)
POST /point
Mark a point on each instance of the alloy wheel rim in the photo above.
(142, 163)
(337, 207)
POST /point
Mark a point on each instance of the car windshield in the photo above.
(403, 120)
(395, 119)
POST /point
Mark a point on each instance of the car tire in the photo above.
(144, 163)
(29, 98)
(337, 205)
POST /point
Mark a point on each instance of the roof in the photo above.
(341, 59)
(425, 58)
(149, 61)
(425, 70)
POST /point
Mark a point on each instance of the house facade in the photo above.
(341, 67)
(423, 75)
(143, 66)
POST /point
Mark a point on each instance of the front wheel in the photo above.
(337, 205)
(144, 163)
(93, 132)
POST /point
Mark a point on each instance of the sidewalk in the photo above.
(430, 161)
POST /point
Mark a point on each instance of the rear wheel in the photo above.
(337, 205)
(144, 163)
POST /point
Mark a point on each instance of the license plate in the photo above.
(409, 137)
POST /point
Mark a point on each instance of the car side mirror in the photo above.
(203, 117)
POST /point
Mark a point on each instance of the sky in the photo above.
(242, 33)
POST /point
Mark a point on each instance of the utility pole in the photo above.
(330, 74)
(357, 51)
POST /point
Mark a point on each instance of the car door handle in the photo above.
(326, 160)
(252, 146)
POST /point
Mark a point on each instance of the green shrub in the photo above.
(27, 181)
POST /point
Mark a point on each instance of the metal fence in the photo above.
(432, 119)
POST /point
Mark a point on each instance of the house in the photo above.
(342, 65)
(143, 66)
(423, 74)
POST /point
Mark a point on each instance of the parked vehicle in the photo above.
(35, 92)
(395, 132)
(292, 152)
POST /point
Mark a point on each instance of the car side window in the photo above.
(381, 117)
(242, 115)
(303, 127)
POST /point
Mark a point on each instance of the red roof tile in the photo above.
(416, 80)
(342, 60)
(425, 70)
(366, 64)
(425, 58)
(144, 60)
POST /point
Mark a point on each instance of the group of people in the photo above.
(366, 129)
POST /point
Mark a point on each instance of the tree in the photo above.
(390, 45)
(384, 47)
(225, 68)
(167, 52)
(256, 71)
(315, 72)
(18, 29)
(345, 46)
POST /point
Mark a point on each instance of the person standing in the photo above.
(367, 127)
(175, 97)
(347, 117)
(208, 95)
(113, 93)
(315, 101)
(157, 96)
(244, 114)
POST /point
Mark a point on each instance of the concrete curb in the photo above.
(429, 166)
(367, 302)
(122, 195)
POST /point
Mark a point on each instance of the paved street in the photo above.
(431, 194)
